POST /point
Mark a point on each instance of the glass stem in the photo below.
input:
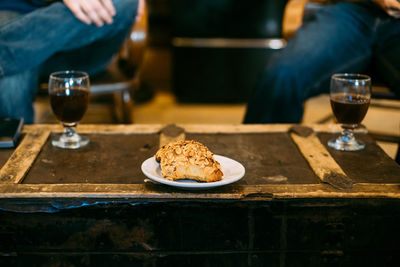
(347, 135)
(69, 129)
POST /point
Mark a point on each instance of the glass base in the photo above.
(71, 142)
(344, 144)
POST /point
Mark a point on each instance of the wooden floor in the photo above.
(163, 107)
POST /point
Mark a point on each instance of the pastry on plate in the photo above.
(188, 160)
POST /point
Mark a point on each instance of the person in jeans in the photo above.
(38, 37)
(345, 36)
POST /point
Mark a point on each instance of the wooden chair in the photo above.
(382, 92)
(379, 89)
(113, 81)
(121, 79)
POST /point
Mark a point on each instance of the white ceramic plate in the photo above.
(233, 171)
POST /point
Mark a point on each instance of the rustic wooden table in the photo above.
(94, 205)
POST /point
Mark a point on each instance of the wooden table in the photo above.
(94, 205)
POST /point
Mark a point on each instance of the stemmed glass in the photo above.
(69, 98)
(350, 95)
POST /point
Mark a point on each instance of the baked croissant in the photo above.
(188, 160)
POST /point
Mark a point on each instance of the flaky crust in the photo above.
(188, 160)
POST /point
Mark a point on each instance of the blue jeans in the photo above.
(51, 39)
(343, 37)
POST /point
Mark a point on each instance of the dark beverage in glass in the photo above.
(69, 105)
(350, 95)
(349, 109)
(69, 99)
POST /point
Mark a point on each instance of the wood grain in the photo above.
(319, 159)
(23, 157)
(230, 140)
(171, 133)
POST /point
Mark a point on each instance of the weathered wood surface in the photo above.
(91, 206)
(5, 154)
(319, 159)
(370, 165)
(110, 166)
(23, 157)
(137, 192)
(273, 162)
(189, 128)
(171, 133)
(298, 232)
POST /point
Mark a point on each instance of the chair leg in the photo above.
(123, 107)
(397, 159)
(127, 107)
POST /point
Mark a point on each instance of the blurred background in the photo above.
(197, 61)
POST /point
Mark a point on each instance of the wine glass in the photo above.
(69, 99)
(350, 95)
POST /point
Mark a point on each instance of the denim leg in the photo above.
(387, 54)
(54, 29)
(17, 93)
(96, 56)
(5, 17)
(24, 47)
(338, 39)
